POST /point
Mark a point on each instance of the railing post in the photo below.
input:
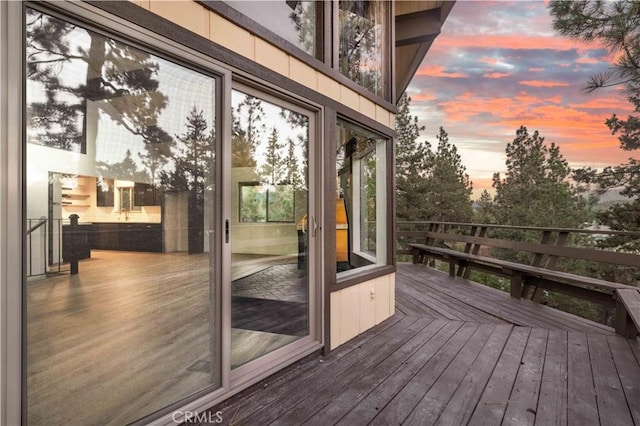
(73, 235)
(475, 249)
(537, 260)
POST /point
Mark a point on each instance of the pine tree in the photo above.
(118, 75)
(247, 131)
(272, 169)
(535, 190)
(413, 159)
(484, 213)
(449, 185)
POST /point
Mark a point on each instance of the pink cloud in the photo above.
(538, 83)
(536, 69)
(587, 61)
(438, 71)
(497, 75)
(423, 97)
(490, 61)
(527, 42)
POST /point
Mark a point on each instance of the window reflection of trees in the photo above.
(90, 94)
(72, 67)
(276, 155)
(307, 20)
(363, 43)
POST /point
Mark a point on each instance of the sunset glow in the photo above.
(499, 65)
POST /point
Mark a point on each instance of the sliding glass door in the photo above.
(170, 226)
(121, 296)
(271, 226)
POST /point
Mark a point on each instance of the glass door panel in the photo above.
(269, 227)
(122, 314)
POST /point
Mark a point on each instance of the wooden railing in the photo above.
(533, 259)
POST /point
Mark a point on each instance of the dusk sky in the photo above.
(498, 65)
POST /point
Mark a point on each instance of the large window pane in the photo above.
(361, 209)
(121, 141)
(363, 33)
(269, 233)
(298, 22)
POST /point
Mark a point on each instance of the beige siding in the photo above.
(358, 308)
(232, 37)
(185, 13)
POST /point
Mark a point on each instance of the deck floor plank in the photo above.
(369, 407)
(455, 353)
(335, 364)
(612, 404)
(628, 371)
(366, 359)
(462, 403)
(406, 400)
(436, 398)
(348, 387)
(449, 303)
(493, 401)
(497, 303)
(582, 408)
(436, 303)
(552, 404)
(522, 404)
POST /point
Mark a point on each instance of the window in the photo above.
(298, 22)
(263, 203)
(126, 199)
(362, 193)
(364, 41)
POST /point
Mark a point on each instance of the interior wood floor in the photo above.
(132, 333)
(456, 353)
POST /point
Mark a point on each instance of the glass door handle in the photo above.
(226, 231)
(314, 228)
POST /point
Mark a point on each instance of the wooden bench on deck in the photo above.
(523, 277)
(628, 311)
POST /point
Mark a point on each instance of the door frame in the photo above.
(266, 365)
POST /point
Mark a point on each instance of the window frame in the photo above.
(266, 202)
(385, 264)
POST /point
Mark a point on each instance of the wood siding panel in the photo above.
(185, 13)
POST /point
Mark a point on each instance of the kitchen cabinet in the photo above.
(127, 236)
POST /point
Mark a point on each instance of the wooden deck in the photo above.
(457, 353)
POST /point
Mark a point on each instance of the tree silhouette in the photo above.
(273, 170)
(360, 43)
(247, 131)
(73, 67)
(193, 158)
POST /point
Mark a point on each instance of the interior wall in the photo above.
(175, 228)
